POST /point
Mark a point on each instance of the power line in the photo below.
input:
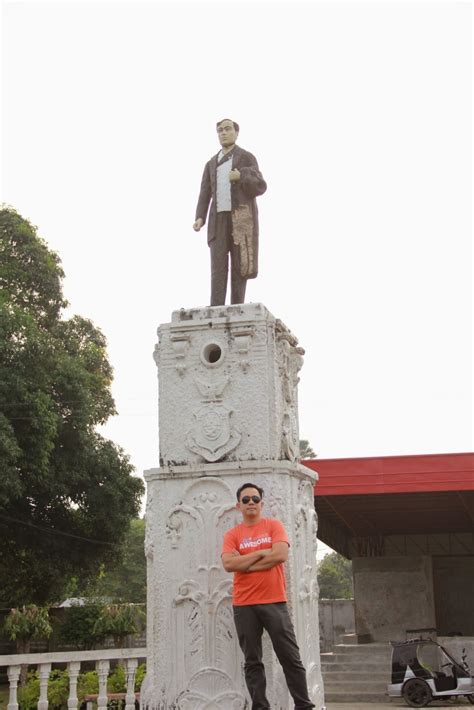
(54, 531)
(112, 416)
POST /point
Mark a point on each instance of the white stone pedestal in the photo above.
(227, 415)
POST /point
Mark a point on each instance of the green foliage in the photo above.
(23, 625)
(28, 623)
(4, 697)
(335, 577)
(306, 452)
(30, 274)
(83, 626)
(28, 696)
(140, 676)
(67, 494)
(123, 579)
(58, 691)
(77, 627)
(87, 684)
(116, 682)
(119, 621)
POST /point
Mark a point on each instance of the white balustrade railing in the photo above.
(73, 659)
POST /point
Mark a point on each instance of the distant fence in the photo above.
(54, 643)
(336, 618)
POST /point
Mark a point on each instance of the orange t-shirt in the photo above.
(267, 586)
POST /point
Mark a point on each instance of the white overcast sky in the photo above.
(360, 117)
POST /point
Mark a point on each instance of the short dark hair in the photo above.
(236, 125)
(249, 485)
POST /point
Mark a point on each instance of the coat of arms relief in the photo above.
(212, 435)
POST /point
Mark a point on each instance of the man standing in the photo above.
(232, 181)
(255, 552)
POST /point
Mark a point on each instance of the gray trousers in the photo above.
(221, 247)
(250, 622)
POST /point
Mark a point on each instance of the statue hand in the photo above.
(234, 175)
(198, 224)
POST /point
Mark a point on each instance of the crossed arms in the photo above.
(255, 561)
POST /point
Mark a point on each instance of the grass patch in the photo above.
(4, 695)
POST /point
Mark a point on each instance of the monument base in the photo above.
(194, 660)
(228, 412)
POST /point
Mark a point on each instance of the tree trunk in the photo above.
(23, 646)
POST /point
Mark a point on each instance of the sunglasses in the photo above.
(247, 499)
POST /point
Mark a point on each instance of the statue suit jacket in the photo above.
(244, 206)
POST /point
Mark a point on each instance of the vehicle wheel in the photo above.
(417, 693)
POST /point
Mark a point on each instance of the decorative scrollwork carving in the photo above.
(173, 529)
(180, 343)
(290, 361)
(210, 689)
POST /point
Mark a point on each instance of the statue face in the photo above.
(227, 134)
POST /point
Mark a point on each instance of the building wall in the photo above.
(453, 579)
(336, 618)
(392, 594)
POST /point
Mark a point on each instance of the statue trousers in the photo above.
(223, 247)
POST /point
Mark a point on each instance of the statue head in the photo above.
(227, 132)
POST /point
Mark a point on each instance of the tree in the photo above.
(335, 577)
(125, 581)
(119, 621)
(25, 624)
(306, 452)
(29, 622)
(67, 493)
(77, 624)
(121, 579)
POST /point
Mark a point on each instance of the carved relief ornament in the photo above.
(290, 361)
(210, 689)
(212, 437)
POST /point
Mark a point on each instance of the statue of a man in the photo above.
(230, 183)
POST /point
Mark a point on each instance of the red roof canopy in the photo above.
(362, 503)
(423, 473)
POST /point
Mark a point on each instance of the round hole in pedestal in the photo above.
(212, 353)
